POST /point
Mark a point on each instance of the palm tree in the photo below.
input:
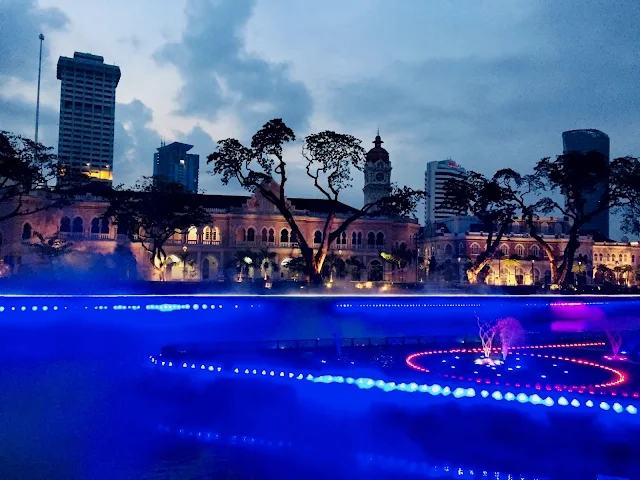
(512, 262)
(265, 260)
(354, 267)
(626, 272)
(244, 259)
(604, 273)
(50, 249)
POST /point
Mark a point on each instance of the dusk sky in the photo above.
(488, 83)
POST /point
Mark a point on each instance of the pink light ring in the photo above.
(619, 380)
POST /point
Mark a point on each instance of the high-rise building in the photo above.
(586, 141)
(87, 115)
(435, 178)
(377, 173)
(172, 163)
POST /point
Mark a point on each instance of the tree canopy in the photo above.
(487, 200)
(27, 167)
(329, 160)
(152, 212)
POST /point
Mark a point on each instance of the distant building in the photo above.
(87, 114)
(377, 173)
(435, 178)
(585, 141)
(172, 163)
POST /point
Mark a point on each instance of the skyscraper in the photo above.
(585, 141)
(172, 163)
(87, 115)
(435, 178)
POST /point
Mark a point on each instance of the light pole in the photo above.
(41, 37)
(533, 279)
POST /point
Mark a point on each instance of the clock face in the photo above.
(379, 176)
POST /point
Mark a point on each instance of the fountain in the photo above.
(615, 341)
(487, 331)
(511, 334)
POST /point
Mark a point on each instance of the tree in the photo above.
(50, 249)
(490, 203)
(26, 168)
(152, 213)
(513, 262)
(266, 260)
(399, 257)
(627, 272)
(574, 176)
(354, 268)
(329, 158)
(604, 273)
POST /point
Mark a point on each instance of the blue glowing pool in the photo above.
(81, 397)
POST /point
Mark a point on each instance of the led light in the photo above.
(484, 394)
(522, 398)
(589, 403)
(563, 401)
(632, 410)
(575, 403)
(496, 395)
(210, 368)
(618, 408)
(604, 406)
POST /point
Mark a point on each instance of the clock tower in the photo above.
(377, 173)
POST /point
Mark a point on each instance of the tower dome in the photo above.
(377, 152)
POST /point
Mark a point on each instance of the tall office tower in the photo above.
(435, 177)
(87, 114)
(172, 163)
(585, 141)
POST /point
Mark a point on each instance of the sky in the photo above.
(490, 84)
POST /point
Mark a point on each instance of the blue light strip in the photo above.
(434, 390)
(367, 460)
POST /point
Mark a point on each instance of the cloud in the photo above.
(20, 24)
(219, 75)
(135, 142)
(511, 109)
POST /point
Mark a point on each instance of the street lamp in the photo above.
(532, 277)
(185, 254)
(459, 271)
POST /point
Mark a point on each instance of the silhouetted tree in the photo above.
(490, 203)
(576, 177)
(153, 212)
(329, 158)
(26, 168)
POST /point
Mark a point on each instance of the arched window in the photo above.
(65, 225)
(475, 249)
(264, 235)
(293, 238)
(215, 234)
(251, 235)
(504, 249)
(104, 225)
(26, 231)
(633, 259)
(534, 251)
(359, 238)
(241, 235)
(625, 258)
(536, 276)
(380, 239)
(77, 226)
(608, 257)
(448, 249)
(520, 250)
(95, 225)
(272, 235)
(371, 238)
(601, 257)
(206, 234)
(342, 239)
(461, 249)
(317, 236)
(284, 236)
(620, 257)
(192, 235)
(354, 238)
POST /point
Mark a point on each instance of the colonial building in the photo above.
(209, 253)
(522, 261)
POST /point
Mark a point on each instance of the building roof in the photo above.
(88, 62)
(176, 145)
(321, 205)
